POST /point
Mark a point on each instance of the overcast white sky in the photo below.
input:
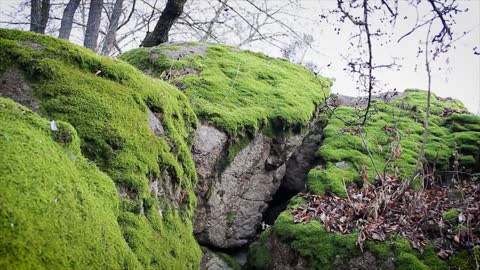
(458, 77)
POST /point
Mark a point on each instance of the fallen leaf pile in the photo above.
(420, 216)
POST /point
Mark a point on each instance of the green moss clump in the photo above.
(393, 135)
(107, 102)
(313, 242)
(57, 210)
(465, 259)
(259, 256)
(451, 215)
(407, 261)
(325, 250)
(240, 91)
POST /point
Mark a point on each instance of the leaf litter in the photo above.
(378, 211)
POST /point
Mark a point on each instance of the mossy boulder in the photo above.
(393, 135)
(254, 112)
(58, 210)
(237, 91)
(136, 130)
(289, 245)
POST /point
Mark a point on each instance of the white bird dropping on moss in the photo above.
(53, 125)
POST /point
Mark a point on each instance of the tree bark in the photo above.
(67, 19)
(93, 24)
(173, 10)
(39, 13)
(111, 35)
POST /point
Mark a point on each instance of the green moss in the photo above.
(344, 143)
(57, 210)
(106, 101)
(430, 258)
(241, 91)
(407, 261)
(313, 242)
(325, 250)
(259, 256)
(463, 260)
(229, 217)
(331, 179)
(451, 215)
(237, 146)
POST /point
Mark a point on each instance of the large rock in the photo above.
(232, 198)
(284, 257)
(211, 261)
(366, 261)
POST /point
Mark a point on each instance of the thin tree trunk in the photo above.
(93, 24)
(111, 35)
(173, 10)
(67, 19)
(39, 13)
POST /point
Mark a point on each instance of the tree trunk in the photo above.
(111, 35)
(39, 13)
(93, 24)
(173, 10)
(67, 19)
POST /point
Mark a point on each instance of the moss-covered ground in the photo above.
(393, 136)
(106, 102)
(325, 250)
(241, 92)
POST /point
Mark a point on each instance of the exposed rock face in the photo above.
(303, 160)
(15, 86)
(362, 101)
(154, 123)
(367, 261)
(211, 261)
(231, 199)
(284, 257)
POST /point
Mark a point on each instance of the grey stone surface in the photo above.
(341, 100)
(342, 165)
(15, 86)
(232, 198)
(185, 49)
(367, 261)
(207, 149)
(154, 123)
(283, 256)
(303, 160)
(211, 261)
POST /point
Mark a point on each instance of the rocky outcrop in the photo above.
(232, 198)
(211, 261)
(367, 261)
(283, 256)
(303, 160)
(120, 151)
(15, 86)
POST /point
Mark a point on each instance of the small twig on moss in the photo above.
(234, 81)
(368, 151)
(348, 197)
